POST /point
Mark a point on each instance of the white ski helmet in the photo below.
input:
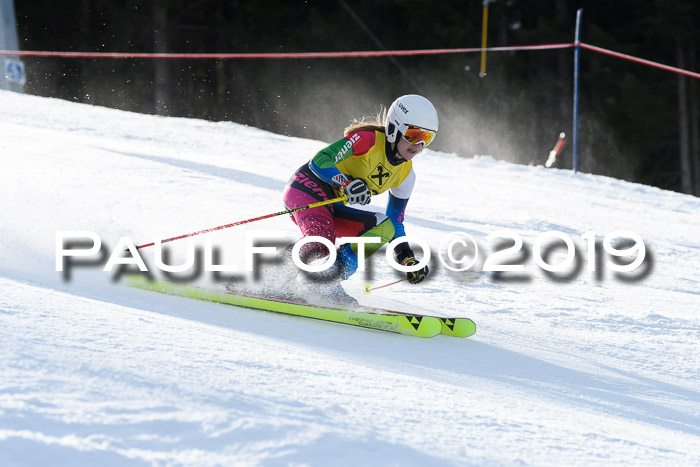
(410, 110)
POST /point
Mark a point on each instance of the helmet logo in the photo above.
(405, 110)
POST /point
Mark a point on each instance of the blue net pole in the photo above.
(577, 53)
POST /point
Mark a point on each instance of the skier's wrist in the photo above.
(403, 251)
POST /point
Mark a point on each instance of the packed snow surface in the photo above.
(566, 368)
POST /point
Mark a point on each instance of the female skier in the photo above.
(371, 159)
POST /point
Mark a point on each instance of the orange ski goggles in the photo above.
(415, 135)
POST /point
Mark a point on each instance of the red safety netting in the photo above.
(308, 55)
(228, 56)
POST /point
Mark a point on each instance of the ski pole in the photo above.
(369, 289)
(288, 211)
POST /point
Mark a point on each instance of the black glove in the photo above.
(405, 256)
(356, 191)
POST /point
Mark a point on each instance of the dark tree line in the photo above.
(636, 122)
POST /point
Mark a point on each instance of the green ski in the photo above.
(373, 318)
(457, 327)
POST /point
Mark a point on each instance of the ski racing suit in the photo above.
(362, 154)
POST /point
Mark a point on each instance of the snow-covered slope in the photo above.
(592, 369)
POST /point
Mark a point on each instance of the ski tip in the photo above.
(367, 289)
(458, 327)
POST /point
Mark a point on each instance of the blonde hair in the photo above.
(376, 123)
